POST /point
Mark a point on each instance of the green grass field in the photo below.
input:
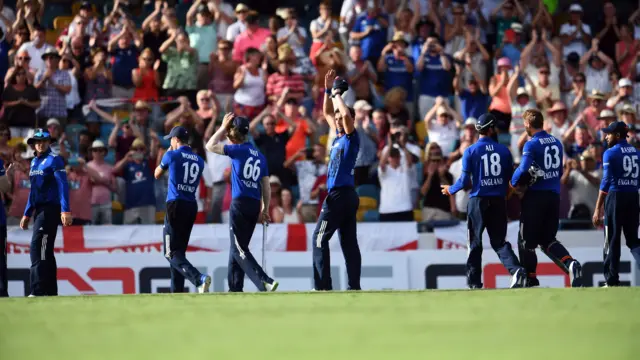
(537, 324)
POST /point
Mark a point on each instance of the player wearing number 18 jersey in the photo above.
(540, 208)
(621, 208)
(251, 193)
(185, 169)
(487, 166)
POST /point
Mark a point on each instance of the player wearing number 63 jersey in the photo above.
(487, 166)
(251, 193)
(619, 195)
(185, 169)
(540, 209)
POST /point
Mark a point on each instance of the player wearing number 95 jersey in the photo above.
(487, 166)
(185, 169)
(540, 208)
(619, 195)
(251, 194)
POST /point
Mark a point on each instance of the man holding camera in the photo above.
(434, 80)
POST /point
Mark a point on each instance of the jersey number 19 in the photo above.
(191, 171)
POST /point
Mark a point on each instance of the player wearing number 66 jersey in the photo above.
(619, 195)
(487, 166)
(185, 169)
(540, 209)
(251, 194)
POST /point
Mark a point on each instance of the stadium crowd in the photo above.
(108, 82)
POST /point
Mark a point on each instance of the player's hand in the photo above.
(328, 79)
(24, 223)
(66, 218)
(266, 219)
(597, 217)
(445, 190)
(226, 121)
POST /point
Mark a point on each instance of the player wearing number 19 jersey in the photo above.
(540, 208)
(251, 193)
(185, 169)
(487, 166)
(619, 195)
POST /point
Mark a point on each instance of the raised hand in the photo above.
(328, 79)
(226, 120)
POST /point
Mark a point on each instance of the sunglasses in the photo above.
(24, 58)
(544, 72)
(224, 48)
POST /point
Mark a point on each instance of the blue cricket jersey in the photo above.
(397, 75)
(248, 167)
(621, 168)
(3, 215)
(487, 165)
(185, 170)
(140, 186)
(546, 152)
(342, 160)
(49, 184)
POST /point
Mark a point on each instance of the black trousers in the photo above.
(44, 269)
(622, 212)
(178, 223)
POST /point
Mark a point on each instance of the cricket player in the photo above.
(185, 169)
(487, 166)
(5, 186)
(539, 217)
(48, 204)
(619, 195)
(341, 204)
(251, 194)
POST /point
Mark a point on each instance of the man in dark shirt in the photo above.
(272, 145)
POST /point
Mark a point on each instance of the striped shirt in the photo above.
(54, 103)
(277, 82)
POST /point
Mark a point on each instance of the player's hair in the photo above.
(236, 136)
(485, 131)
(534, 118)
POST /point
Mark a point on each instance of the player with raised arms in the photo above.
(341, 204)
(251, 194)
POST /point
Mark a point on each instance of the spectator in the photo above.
(240, 25)
(474, 56)
(606, 117)
(511, 47)
(207, 110)
(436, 206)
(623, 97)
(403, 22)
(321, 26)
(21, 61)
(221, 72)
(596, 66)
(217, 165)
(292, 34)
(628, 115)
(81, 178)
(36, 49)
(368, 142)
(181, 62)
(576, 99)
(327, 57)
(546, 93)
(20, 100)
(80, 53)
(203, 37)
(145, 77)
(583, 181)
(456, 33)
(302, 126)
(398, 68)
(8, 14)
(576, 139)
(626, 50)
(18, 176)
(500, 105)
(534, 58)
(576, 35)
(121, 142)
(395, 102)
(504, 15)
(153, 33)
(395, 185)
(98, 78)
(30, 14)
(285, 79)
(103, 184)
(276, 191)
(521, 101)
(597, 103)
(253, 37)
(20, 37)
(558, 113)
(286, 213)
(89, 23)
(434, 79)
(115, 21)
(185, 116)
(370, 30)
(381, 124)
(123, 49)
(136, 169)
(308, 164)
(270, 52)
(224, 16)
(442, 128)
(54, 84)
(73, 99)
(361, 76)
(609, 33)
(271, 144)
(473, 97)
(249, 82)
(59, 144)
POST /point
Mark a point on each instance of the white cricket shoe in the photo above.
(271, 287)
(206, 283)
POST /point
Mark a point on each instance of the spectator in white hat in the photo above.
(606, 117)
(240, 25)
(624, 96)
(575, 34)
(596, 67)
(558, 113)
(368, 141)
(628, 114)
(103, 185)
(59, 143)
(395, 184)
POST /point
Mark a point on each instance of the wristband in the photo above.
(327, 91)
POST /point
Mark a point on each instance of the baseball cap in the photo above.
(362, 105)
(575, 8)
(624, 82)
(485, 120)
(179, 132)
(616, 127)
(40, 134)
(242, 124)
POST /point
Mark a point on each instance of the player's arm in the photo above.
(266, 198)
(525, 163)
(605, 184)
(214, 145)
(163, 166)
(327, 105)
(347, 120)
(465, 176)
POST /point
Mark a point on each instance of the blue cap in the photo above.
(485, 121)
(616, 127)
(41, 134)
(241, 123)
(179, 132)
